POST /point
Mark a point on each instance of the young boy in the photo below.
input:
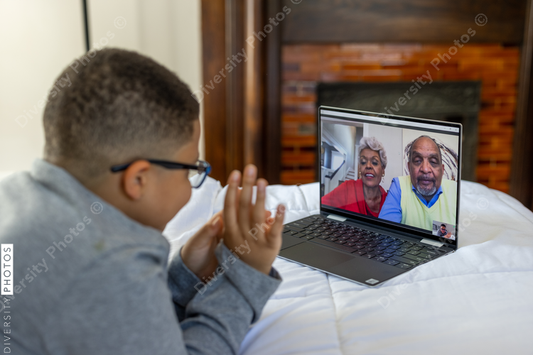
(91, 272)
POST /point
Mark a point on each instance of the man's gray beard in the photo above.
(426, 192)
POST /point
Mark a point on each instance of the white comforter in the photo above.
(478, 300)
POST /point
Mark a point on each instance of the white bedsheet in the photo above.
(478, 300)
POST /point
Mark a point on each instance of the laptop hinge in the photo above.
(431, 242)
(337, 218)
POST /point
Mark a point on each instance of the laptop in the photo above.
(389, 196)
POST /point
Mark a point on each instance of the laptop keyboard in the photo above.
(365, 243)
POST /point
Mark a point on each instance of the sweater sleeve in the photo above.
(183, 284)
(230, 301)
(122, 304)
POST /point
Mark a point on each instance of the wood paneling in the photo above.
(214, 101)
(522, 167)
(272, 117)
(236, 131)
(253, 88)
(387, 21)
(235, 87)
(434, 24)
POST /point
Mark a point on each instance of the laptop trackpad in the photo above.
(315, 255)
(289, 241)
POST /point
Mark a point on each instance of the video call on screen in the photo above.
(404, 175)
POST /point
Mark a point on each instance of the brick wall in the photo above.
(306, 65)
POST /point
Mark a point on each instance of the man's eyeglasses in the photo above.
(197, 172)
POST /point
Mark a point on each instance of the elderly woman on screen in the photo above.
(364, 195)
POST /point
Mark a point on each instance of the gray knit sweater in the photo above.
(89, 280)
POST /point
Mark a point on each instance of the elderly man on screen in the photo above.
(424, 196)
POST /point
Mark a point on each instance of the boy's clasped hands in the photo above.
(242, 225)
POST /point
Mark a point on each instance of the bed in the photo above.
(478, 300)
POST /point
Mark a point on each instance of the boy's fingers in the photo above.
(230, 202)
(212, 226)
(259, 208)
(274, 235)
(245, 201)
(238, 197)
(218, 214)
(217, 224)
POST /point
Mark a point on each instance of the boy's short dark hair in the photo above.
(121, 106)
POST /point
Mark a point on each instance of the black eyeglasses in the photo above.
(197, 176)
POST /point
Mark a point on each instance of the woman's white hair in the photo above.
(375, 145)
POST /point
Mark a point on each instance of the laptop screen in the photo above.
(395, 169)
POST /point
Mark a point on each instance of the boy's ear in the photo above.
(135, 179)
